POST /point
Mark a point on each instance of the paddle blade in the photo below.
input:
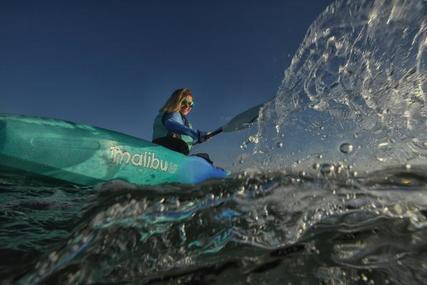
(243, 120)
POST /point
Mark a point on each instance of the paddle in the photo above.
(239, 122)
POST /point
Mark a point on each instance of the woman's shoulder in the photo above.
(172, 115)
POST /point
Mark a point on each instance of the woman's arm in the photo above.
(174, 123)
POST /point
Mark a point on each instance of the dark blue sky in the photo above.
(113, 63)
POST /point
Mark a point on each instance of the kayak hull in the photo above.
(87, 155)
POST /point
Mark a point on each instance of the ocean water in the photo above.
(328, 187)
(251, 228)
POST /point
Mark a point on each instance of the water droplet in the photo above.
(241, 190)
(346, 148)
(340, 168)
(327, 168)
(380, 159)
(254, 139)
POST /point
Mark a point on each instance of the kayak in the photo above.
(88, 155)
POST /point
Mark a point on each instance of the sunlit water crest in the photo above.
(329, 186)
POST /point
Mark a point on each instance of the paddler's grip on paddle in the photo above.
(214, 133)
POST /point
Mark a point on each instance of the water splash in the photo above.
(359, 77)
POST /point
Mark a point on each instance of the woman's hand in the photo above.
(201, 136)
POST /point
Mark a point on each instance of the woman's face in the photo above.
(186, 105)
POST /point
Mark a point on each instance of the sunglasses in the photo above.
(187, 103)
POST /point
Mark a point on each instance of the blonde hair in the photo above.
(173, 104)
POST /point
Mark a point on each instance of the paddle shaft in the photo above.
(214, 133)
(239, 122)
(211, 134)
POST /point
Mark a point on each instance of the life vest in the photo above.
(159, 130)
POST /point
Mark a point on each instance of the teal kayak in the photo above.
(87, 155)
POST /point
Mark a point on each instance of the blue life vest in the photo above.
(159, 130)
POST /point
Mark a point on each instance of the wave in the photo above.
(250, 227)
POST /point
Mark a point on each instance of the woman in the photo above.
(171, 127)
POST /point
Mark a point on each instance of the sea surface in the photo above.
(329, 186)
(251, 228)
